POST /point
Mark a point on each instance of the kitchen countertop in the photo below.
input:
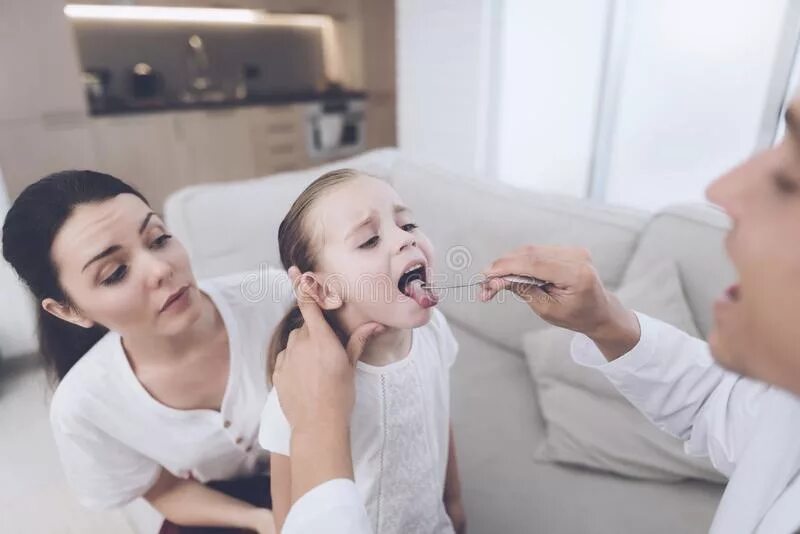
(116, 106)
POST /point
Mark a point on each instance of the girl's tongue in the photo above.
(424, 297)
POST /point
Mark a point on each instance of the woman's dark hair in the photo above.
(30, 226)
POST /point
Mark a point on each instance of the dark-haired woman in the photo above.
(161, 380)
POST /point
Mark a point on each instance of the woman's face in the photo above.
(757, 321)
(367, 238)
(120, 267)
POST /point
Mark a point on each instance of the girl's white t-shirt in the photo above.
(113, 437)
(399, 433)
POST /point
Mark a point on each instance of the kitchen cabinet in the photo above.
(381, 121)
(214, 146)
(378, 46)
(235, 4)
(278, 138)
(162, 152)
(31, 149)
(140, 150)
(40, 62)
(336, 8)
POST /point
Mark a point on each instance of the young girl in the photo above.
(368, 262)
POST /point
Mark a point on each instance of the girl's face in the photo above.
(367, 242)
(120, 268)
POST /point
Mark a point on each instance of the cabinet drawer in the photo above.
(264, 116)
(275, 134)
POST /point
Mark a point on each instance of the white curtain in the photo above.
(17, 312)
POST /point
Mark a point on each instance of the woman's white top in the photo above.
(399, 433)
(749, 430)
(113, 436)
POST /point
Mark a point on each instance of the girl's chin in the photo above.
(408, 315)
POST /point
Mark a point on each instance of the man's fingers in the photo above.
(292, 336)
(280, 359)
(491, 288)
(548, 269)
(294, 274)
(312, 314)
(359, 339)
(525, 291)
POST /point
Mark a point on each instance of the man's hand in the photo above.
(314, 377)
(574, 299)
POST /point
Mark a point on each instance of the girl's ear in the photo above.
(66, 313)
(327, 291)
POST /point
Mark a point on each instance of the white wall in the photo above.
(510, 89)
(792, 91)
(443, 78)
(550, 56)
(692, 96)
(17, 316)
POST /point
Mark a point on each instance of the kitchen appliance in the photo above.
(336, 128)
(96, 85)
(146, 84)
(201, 87)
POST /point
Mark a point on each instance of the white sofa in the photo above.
(233, 226)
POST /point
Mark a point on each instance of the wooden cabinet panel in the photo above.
(381, 122)
(378, 20)
(244, 4)
(41, 73)
(277, 137)
(336, 8)
(215, 145)
(30, 150)
(140, 150)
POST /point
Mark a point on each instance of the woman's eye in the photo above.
(410, 227)
(116, 276)
(371, 242)
(160, 241)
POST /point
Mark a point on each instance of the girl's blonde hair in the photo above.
(296, 248)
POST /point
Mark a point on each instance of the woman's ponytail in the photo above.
(62, 343)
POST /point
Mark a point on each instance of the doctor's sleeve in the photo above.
(334, 507)
(672, 379)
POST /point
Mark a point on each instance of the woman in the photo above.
(749, 427)
(161, 379)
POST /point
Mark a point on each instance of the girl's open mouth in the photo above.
(412, 285)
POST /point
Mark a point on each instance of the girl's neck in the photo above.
(147, 350)
(392, 345)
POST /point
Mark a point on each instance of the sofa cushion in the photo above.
(471, 223)
(693, 237)
(497, 427)
(233, 226)
(589, 423)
